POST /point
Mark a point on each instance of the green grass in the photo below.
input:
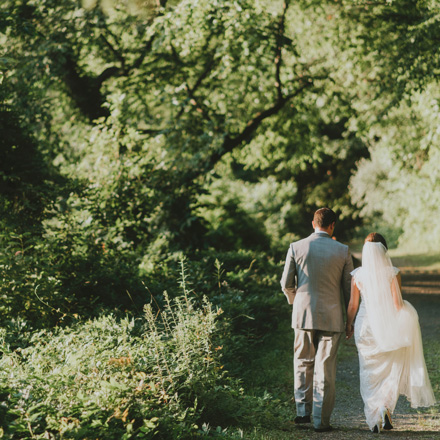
(268, 376)
(420, 261)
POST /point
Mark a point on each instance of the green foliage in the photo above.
(157, 376)
(161, 377)
(397, 186)
(133, 131)
(137, 131)
(382, 54)
(148, 131)
(399, 37)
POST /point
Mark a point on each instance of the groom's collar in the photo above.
(322, 233)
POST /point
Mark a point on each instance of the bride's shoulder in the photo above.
(357, 272)
(358, 275)
(393, 270)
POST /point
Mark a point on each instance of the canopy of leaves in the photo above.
(135, 130)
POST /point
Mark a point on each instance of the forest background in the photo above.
(156, 159)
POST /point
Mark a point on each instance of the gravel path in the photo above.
(422, 289)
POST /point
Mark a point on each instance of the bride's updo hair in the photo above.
(377, 238)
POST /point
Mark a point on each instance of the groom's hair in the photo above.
(376, 238)
(324, 217)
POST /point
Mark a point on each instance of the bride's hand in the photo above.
(349, 330)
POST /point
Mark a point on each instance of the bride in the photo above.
(387, 336)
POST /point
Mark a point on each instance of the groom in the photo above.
(317, 269)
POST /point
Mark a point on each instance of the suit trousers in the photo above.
(314, 363)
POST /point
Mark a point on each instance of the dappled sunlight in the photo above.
(154, 147)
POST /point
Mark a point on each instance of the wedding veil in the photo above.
(394, 328)
(389, 324)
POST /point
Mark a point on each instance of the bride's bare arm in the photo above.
(352, 309)
(396, 289)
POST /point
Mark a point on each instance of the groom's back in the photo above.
(323, 266)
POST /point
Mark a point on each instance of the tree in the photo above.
(396, 187)
(198, 79)
(145, 113)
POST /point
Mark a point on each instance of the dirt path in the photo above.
(422, 289)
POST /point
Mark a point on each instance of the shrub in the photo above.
(106, 378)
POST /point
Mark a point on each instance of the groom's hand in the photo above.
(349, 330)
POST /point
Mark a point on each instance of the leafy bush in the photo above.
(158, 377)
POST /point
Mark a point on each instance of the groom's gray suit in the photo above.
(317, 270)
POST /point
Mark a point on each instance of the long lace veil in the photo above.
(378, 279)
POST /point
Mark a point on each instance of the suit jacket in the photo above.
(317, 269)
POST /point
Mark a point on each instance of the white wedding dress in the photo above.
(388, 340)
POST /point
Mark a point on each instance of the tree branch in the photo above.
(246, 135)
(248, 132)
(115, 52)
(191, 90)
(209, 65)
(279, 48)
(106, 74)
(83, 89)
(150, 131)
(84, 86)
(143, 54)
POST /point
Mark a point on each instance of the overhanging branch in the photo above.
(280, 39)
(230, 143)
(246, 135)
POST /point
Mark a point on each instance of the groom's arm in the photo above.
(346, 278)
(288, 280)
